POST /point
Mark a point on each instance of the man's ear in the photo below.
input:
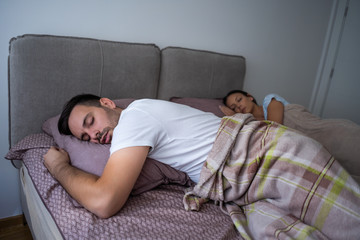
(106, 102)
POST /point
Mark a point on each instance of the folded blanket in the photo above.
(277, 183)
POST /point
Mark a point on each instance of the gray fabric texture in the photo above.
(46, 71)
(195, 73)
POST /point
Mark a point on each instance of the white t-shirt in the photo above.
(178, 135)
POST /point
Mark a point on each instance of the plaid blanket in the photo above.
(277, 183)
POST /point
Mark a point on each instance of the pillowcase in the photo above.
(204, 104)
(92, 158)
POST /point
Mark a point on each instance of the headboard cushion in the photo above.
(46, 71)
(195, 73)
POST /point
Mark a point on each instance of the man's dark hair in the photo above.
(82, 99)
(237, 91)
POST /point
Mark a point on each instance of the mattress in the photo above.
(39, 219)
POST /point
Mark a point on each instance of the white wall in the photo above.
(281, 40)
(338, 95)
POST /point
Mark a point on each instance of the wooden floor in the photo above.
(14, 228)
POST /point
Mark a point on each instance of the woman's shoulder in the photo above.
(275, 96)
(268, 99)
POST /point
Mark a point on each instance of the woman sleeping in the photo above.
(340, 137)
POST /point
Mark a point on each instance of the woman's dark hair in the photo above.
(237, 91)
(82, 99)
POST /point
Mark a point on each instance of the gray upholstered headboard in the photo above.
(46, 71)
(194, 73)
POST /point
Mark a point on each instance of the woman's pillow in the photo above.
(204, 104)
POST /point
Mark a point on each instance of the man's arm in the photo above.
(103, 195)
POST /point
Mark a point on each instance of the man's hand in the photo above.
(55, 159)
(103, 195)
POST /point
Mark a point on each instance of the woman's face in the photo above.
(240, 103)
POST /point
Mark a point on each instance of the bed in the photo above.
(45, 71)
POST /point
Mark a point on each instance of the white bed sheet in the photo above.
(40, 221)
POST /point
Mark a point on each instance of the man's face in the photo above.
(94, 124)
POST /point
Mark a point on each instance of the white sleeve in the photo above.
(135, 128)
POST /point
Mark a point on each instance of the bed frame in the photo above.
(45, 71)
